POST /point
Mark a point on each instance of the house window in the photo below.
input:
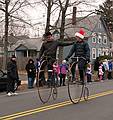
(99, 25)
(99, 52)
(99, 39)
(110, 44)
(93, 39)
(105, 40)
(93, 53)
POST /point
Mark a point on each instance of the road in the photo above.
(27, 106)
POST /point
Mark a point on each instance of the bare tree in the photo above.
(13, 9)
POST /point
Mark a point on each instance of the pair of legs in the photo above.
(81, 69)
(62, 79)
(89, 78)
(31, 82)
(47, 66)
(11, 86)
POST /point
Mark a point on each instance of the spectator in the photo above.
(37, 66)
(100, 72)
(96, 67)
(89, 73)
(110, 64)
(31, 73)
(12, 75)
(56, 71)
(63, 72)
(106, 67)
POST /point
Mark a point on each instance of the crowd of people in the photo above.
(103, 69)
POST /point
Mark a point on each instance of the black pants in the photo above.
(81, 67)
(89, 78)
(47, 66)
(11, 86)
(62, 77)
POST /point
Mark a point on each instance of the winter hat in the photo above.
(13, 56)
(63, 61)
(80, 34)
(47, 34)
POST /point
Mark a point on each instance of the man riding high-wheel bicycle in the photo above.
(48, 49)
(80, 49)
(77, 86)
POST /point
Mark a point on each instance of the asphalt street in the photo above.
(27, 106)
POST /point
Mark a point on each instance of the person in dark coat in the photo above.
(80, 49)
(12, 75)
(31, 73)
(49, 49)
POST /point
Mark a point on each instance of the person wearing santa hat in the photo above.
(80, 49)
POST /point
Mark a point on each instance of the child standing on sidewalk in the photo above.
(63, 72)
(100, 73)
(88, 73)
(56, 71)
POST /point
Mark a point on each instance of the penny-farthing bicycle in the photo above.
(46, 82)
(76, 90)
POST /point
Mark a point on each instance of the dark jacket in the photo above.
(80, 49)
(12, 72)
(31, 70)
(49, 48)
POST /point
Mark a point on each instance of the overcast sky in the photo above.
(38, 15)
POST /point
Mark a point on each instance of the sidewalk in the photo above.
(24, 82)
(23, 86)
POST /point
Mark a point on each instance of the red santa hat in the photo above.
(80, 34)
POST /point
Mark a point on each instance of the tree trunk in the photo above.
(48, 16)
(6, 36)
(62, 29)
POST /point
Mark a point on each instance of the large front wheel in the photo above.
(43, 83)
(75, 91)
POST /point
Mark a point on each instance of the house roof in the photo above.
(30, 44)
(88, 23)
(13, 39)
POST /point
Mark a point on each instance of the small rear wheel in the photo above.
(54, 93)
(86, 93)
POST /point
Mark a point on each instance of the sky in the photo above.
(40, 16)
(37, 15)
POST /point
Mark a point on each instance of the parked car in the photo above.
(4, 81)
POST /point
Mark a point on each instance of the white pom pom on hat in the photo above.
(64, 61)
(80, 34)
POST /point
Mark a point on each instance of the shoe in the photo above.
(9, 94)
(89, 83)
(14, 93)
(74, 82)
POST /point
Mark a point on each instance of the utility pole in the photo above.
(6, 35)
